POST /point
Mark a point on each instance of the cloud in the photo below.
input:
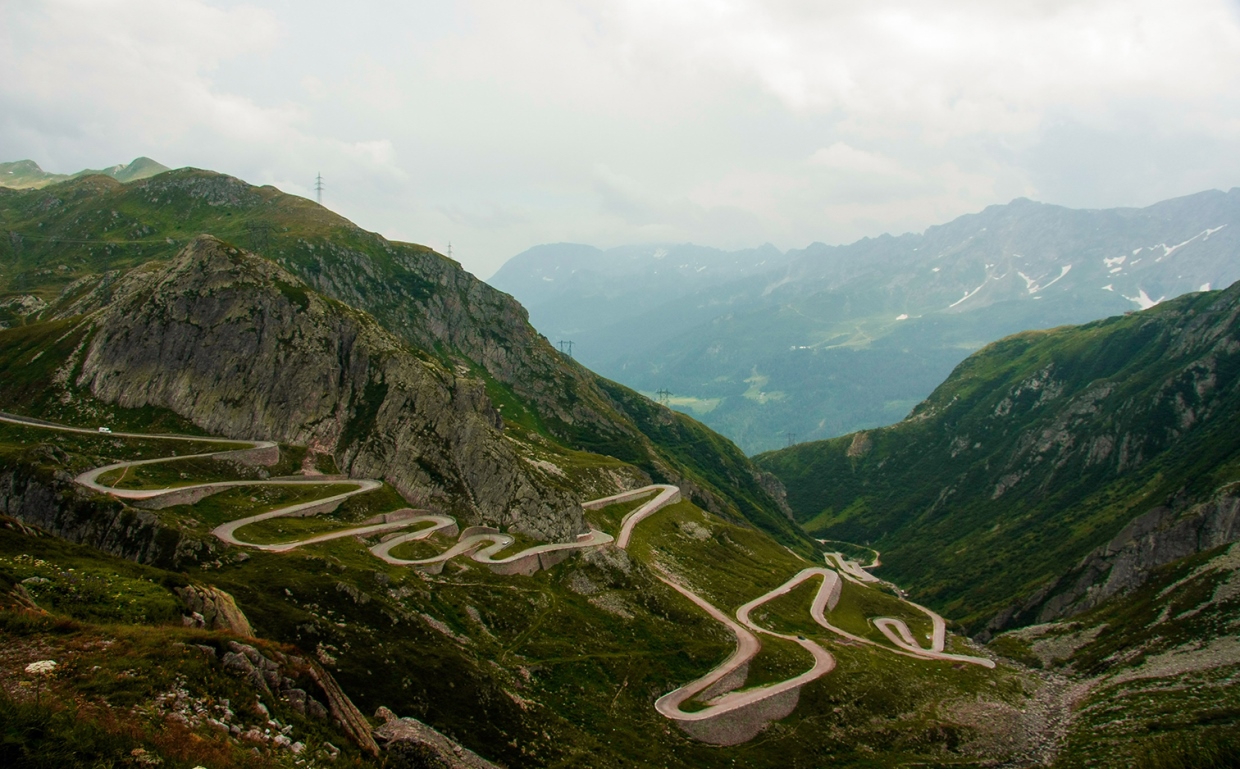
(843, 157)
(139, 74)
(948, 68)
(498, 125)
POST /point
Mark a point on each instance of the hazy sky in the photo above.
(498, 125)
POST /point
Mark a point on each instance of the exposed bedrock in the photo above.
(243, 349)
(1155, 538)
(54, 505)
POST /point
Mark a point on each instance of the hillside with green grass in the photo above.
(1053, 469)
(72, 241)
(559, 668)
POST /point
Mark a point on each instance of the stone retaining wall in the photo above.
(744, 723)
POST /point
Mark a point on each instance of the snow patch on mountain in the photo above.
(1143, 300)
(1032, 285)
(968, 294)
(1169, 250)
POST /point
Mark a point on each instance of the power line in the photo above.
(318, 188)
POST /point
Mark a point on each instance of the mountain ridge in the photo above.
(853, 336)
(26, 174)
(91, 229)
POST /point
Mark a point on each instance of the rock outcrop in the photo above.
(216, 609)
(244, 349)
(56, 505)
(410, 742)
(344, 711)
(1155, 538)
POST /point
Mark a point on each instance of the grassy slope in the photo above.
(557, 669)
(89, 226)
(924, 491)
(114, 629)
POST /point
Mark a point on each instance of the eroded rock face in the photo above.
(217, 609)
(55, 505)
(409, 742)
(243, 349)
(1155, 538)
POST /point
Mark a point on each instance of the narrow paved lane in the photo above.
(731, 714)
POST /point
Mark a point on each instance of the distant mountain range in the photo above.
(26, 174)
(770, 347)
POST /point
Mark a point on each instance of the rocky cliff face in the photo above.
(244, 349)
(1161, 536)
(55, 505)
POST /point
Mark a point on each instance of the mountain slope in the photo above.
(78, 235)
(1037, 450)
(838, 338)
(241, 348)
(558, 668)
(598, 299)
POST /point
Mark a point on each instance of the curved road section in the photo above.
(897, 630)
(730, 715)
(482, 544)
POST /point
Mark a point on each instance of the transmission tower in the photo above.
(664, 396)
(566, 347)
(318, 188)
(792, 438)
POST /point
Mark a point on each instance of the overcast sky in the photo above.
(498, 125)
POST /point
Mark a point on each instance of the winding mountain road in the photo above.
(897, 630)
(482, 544)
(666, 496)
(730, 715)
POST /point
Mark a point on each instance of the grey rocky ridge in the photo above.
(242, 348)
